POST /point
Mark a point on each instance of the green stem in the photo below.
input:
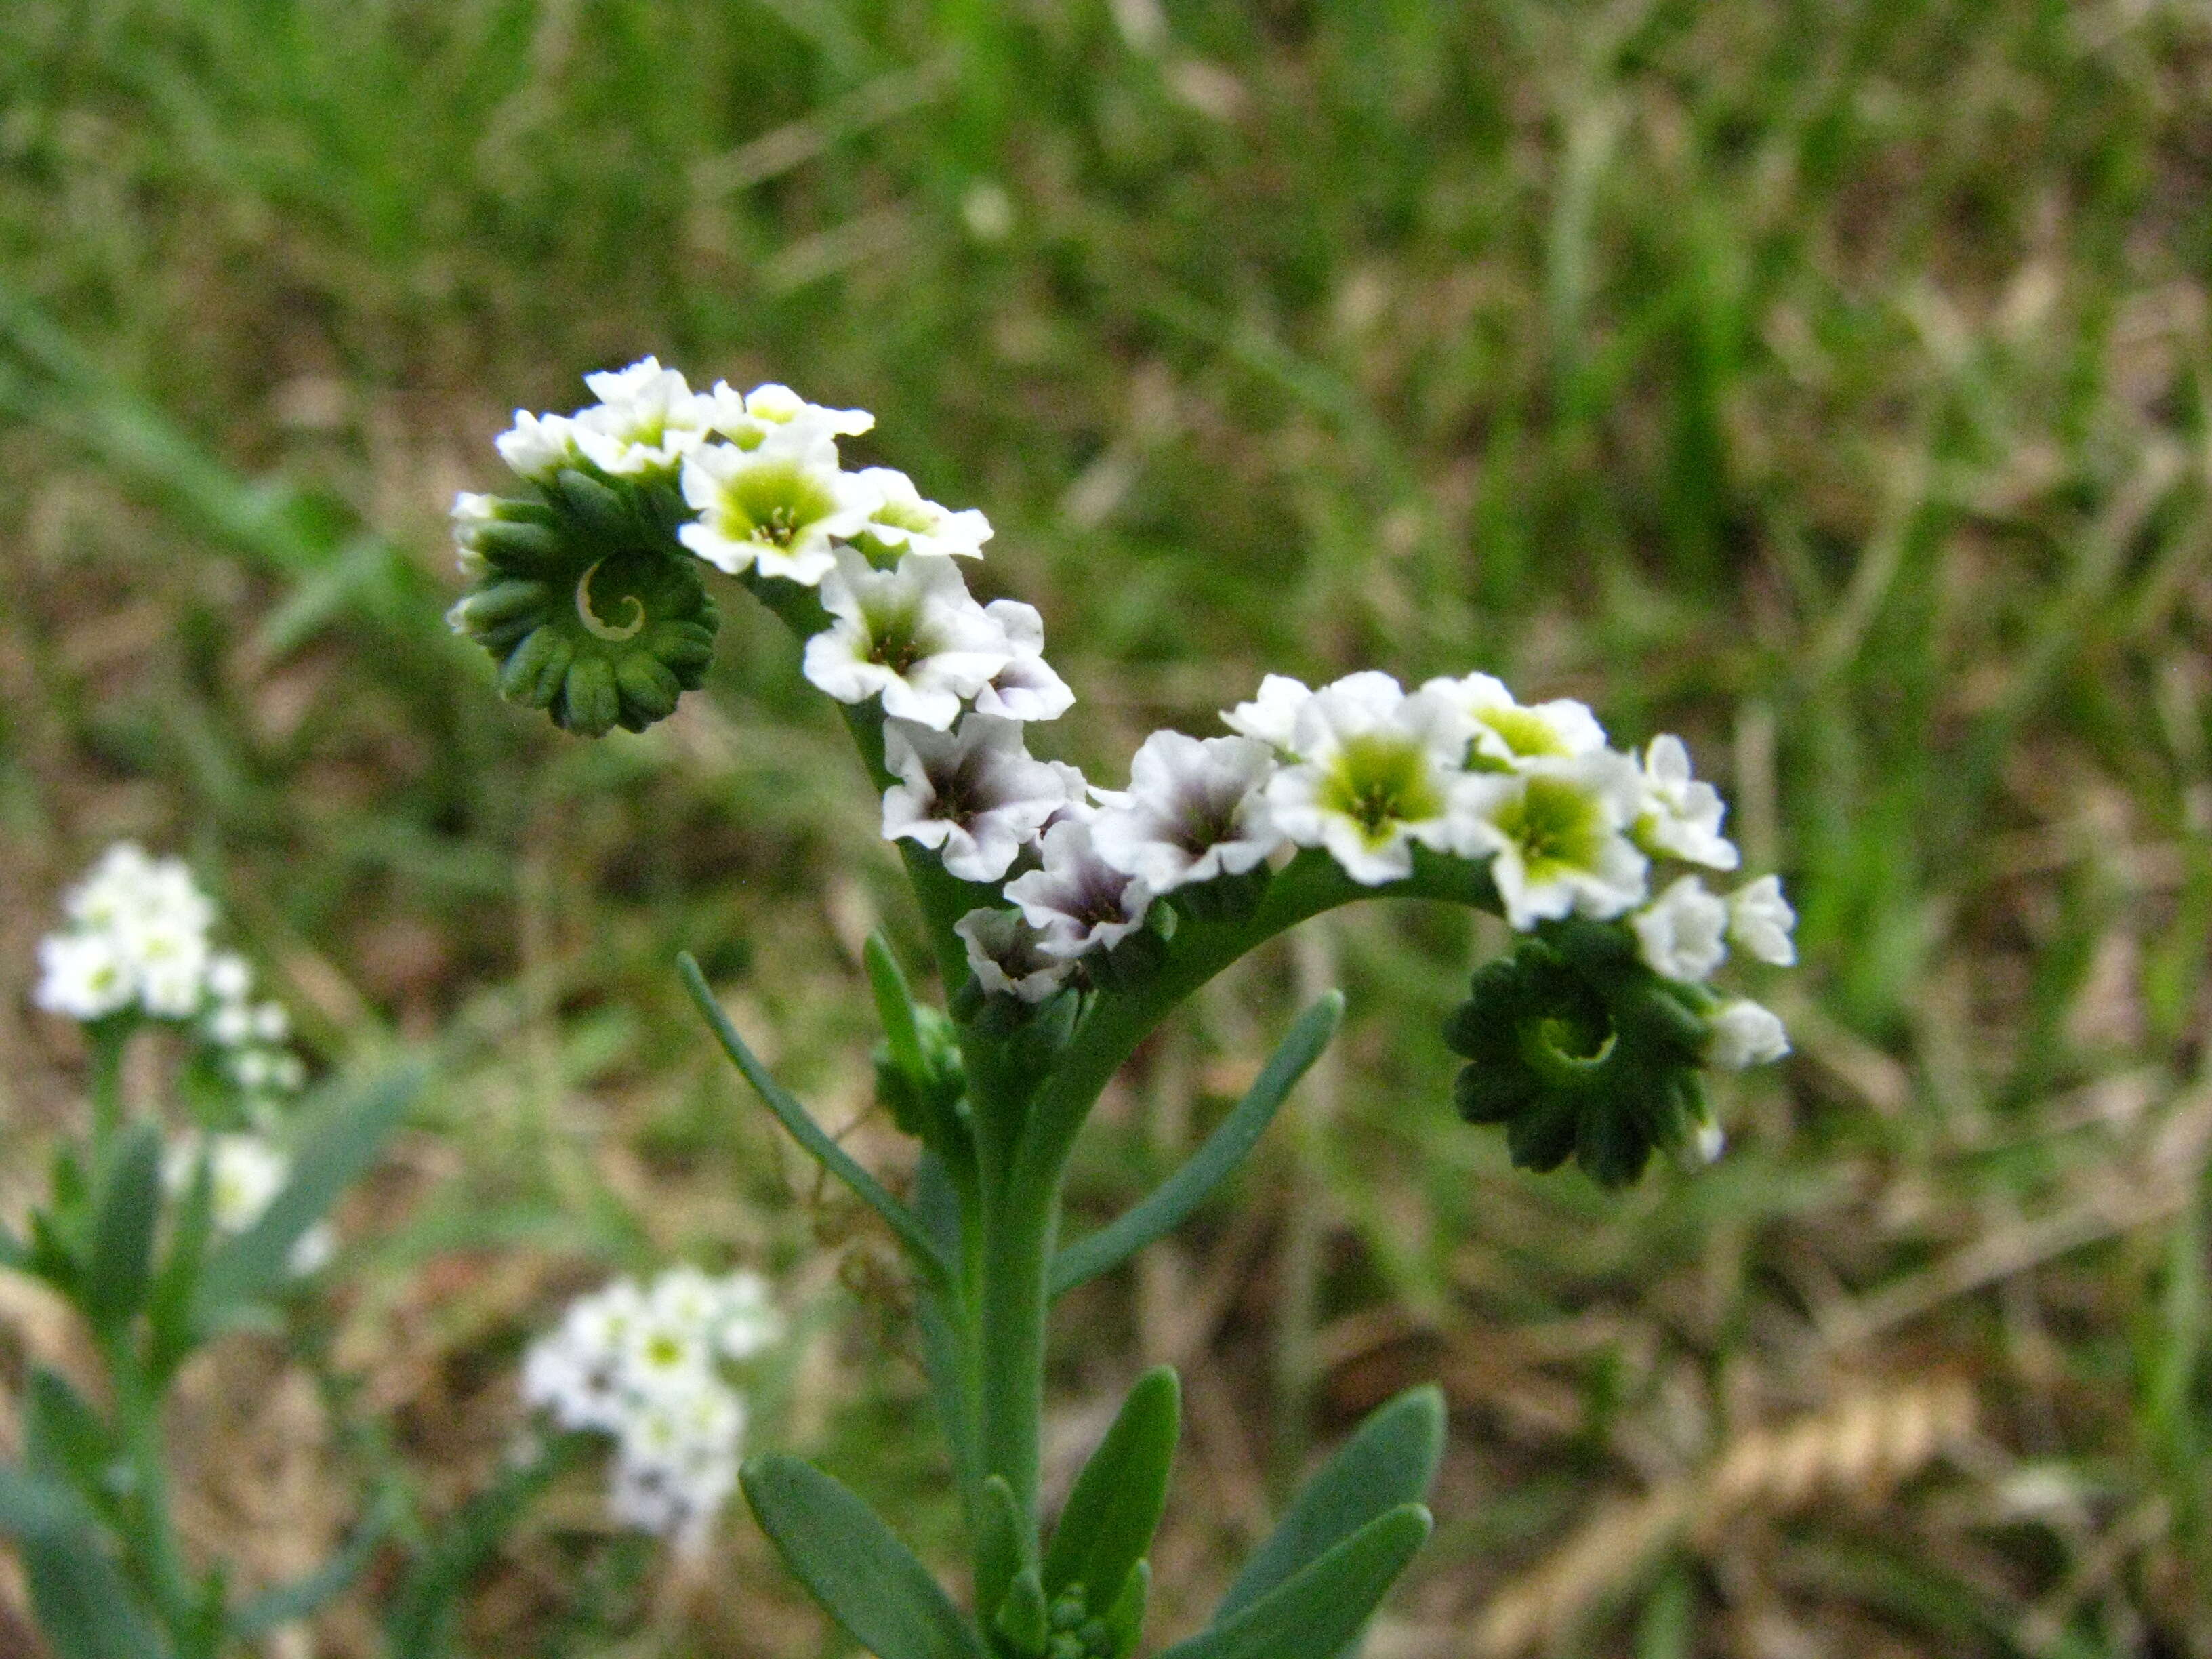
(110, 1037)
(1008, 1330)
(152, 1540)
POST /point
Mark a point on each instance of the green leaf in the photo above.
(894, 1005)
(853, 1565)
(169, 1313)
(1116, 1504)
(810, 1134)
(64, 1439)
(1390, 1461)
(1124, 1619)
(339, 1143)
(1322, 1608)
(1174, 1198)
(120, 1264)
(1005, 1545)
(1023, 1618)
(282, 1604)
(83, 1606)
(14, 1253)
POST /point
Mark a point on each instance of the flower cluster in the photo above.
(245, 1173)
(587, 589)
(139, 942)
(647, 1367)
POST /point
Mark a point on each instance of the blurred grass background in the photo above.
(1824, 381)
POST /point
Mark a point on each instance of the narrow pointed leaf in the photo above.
(894, 1005)
(338, 1145)
(1004, 1544)
(1124, 1619)
(807, 1133)
(120, 1266)
(1391, 1460)
(1023, 1618)
(1322, 1609)
(65, 1441)
(170, 1311)
(1115, 1507)
(83, 1606)
(419, 1618)
(283, 1604)
(854, 1564)
(1173, 1199)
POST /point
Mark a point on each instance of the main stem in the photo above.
(1008, 1331)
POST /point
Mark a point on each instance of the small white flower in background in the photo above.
(1377, 770)
(1507, 734)
(83, 976)
(138, 933)
(1760, 920)
(537, 446)
(745, 418)
(245, 1175)
(644, 1366)
(1077, 902)
(1744, 1034)
(973, 794)
(911, 635)
(1007, 955)
(1557, 832)
(1683, 933)
(646, 421)
(1196, 809)
(779, 507)
(1273, 716)
(1681, 815)
(1028, 688)
(230, 977)
(905, 521)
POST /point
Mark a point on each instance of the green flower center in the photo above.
(1556, 825)
(663, 1352)
(1380, 782)
(894, 639)
(1526, 731)
(772, 505)
(906, 515)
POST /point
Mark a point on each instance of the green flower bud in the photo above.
(927, 1106)
(593, 611)
(1582, 1051)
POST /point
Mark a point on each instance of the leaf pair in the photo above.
(1312, 1587)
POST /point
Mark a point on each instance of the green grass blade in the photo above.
(854, 1564)
(808, 1133)
(1173, 1201)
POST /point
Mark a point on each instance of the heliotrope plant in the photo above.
(1067, 920)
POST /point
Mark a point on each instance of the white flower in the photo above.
(1556, 829)
(903, 521)
(746, 1319)
(777, 507)
(537, 446)
(83, 976)
(245, 1175)
(667, 1353)
(1743, 1034)
(646, 421)
(1196, 809)
(270, 1023)
(911, 634)
(677, 1463)
(1681, 815)
(1027, 688)
(1760, 920)
(472, 513)
(1077, 902)
(975, 794)
(230, 977)
(1682, 934)
(1378, 771)
(745, 418)
(231, 1025)
(1273, 716)
(1507, 734)
(577, 1373)
(1007, 955)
